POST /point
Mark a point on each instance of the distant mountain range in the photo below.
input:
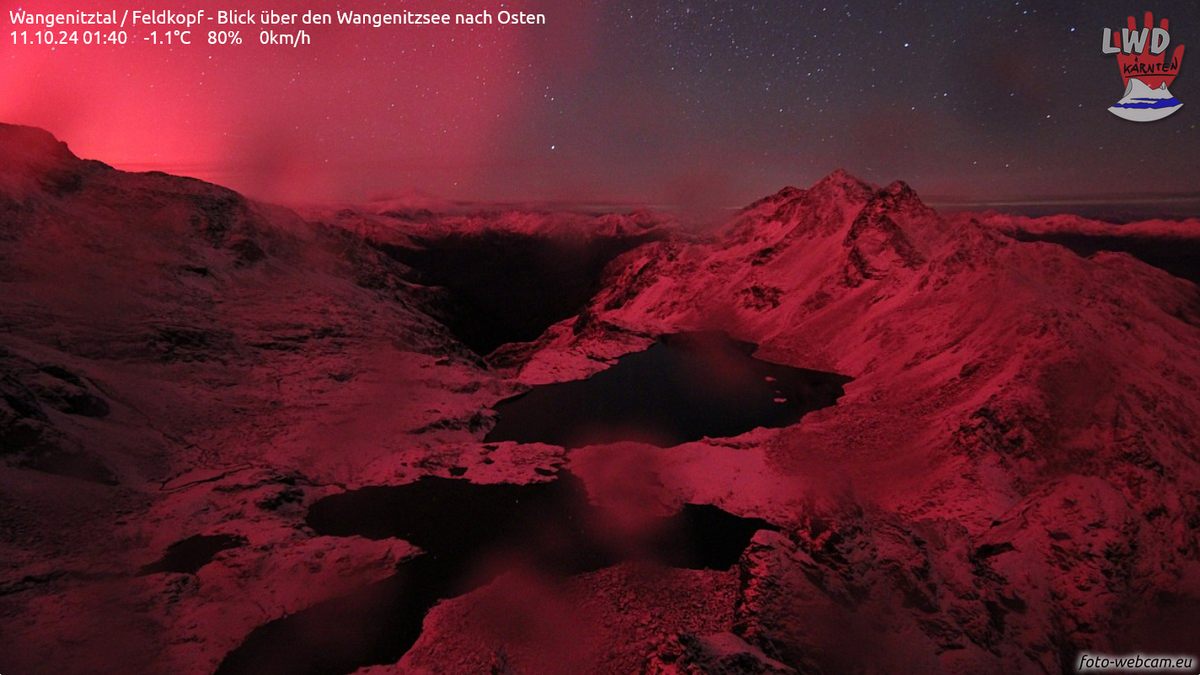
(1012, 476)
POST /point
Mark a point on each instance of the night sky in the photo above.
(665, 102)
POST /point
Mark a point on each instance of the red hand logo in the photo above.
(1150, 69)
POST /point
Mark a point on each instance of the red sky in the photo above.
(360, 109)
(649, 100)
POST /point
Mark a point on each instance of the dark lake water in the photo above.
(683, 388)
(189, 555)
(464, 529)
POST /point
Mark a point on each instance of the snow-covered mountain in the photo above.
(1012, 476)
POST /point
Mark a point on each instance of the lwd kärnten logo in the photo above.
(1146, 70)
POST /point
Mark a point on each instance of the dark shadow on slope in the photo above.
(1176, 256)
(510, 287)
(189, 555)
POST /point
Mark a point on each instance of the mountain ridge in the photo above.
(1011, 477)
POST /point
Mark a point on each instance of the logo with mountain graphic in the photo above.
(1146, 70)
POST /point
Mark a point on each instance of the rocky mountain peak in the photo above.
(877, 241)
(842, 181)
(899, 195)
(32, 158)
(21, 145)
(787, 194)
(824, 210)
